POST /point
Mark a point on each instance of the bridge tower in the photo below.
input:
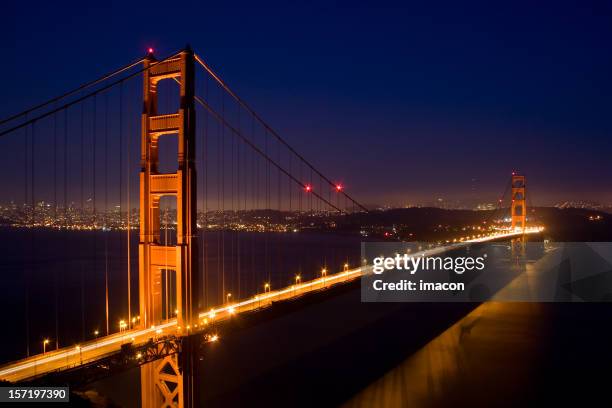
(518, 209)
(162, 381)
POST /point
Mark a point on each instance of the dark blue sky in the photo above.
(404, 104)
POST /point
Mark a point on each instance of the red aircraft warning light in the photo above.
(339, 187)
(308, 188)
(150, 50)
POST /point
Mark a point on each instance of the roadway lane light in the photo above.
(138, 356)
(213, 338)
(212, 314)
(231, 310)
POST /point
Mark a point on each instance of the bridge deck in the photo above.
(70, 357)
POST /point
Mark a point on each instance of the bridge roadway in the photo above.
(69, 357)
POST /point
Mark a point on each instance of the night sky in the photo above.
(403, 104)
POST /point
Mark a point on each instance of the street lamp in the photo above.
(266, 287)
(96, 332)
(346, 267)
(80, 353)
(324, 274)
(227, 297)
(297, 280)
(122, 327)
(45, 342)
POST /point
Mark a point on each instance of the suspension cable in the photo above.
(268, 127)
(259, 151)
(73, 91)
(84, 97)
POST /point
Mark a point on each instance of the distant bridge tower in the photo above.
(518, 209)
(163, 383)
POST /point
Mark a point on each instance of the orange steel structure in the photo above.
(162, 381)
(518, 208)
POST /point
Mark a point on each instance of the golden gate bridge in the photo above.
(75, 162)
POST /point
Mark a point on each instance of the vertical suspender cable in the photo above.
(107, 232)
(33, 236)
(205, 204)
(238, 206)
(94, 209)
(55, 272)
(232, 233)
(82, 165)
(267, 208)
(219, 294)
(65, 185)
(256, 280)
(223, 201)
(128, 204)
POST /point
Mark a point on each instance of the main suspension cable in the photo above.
(268, 127)
(259, 151)
(73, 91)
(84, 97)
